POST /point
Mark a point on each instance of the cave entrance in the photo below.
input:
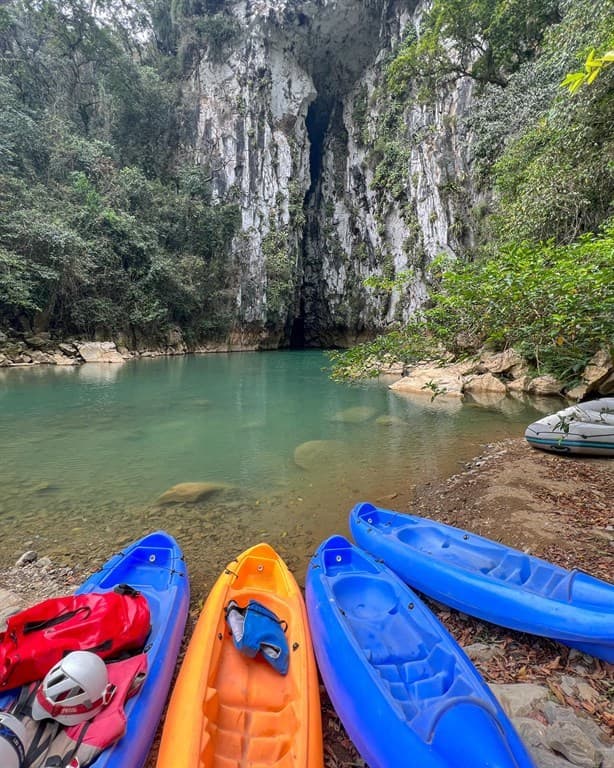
(317, 122)
(334, 43)
(297, 334)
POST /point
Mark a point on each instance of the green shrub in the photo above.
(554, 304)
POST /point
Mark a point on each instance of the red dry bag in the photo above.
(108, 623)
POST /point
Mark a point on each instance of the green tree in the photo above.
(102, 229)
(485, 40)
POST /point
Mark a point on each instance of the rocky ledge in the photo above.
(493, 376)
(41, 349)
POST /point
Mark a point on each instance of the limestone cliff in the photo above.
(334, 183)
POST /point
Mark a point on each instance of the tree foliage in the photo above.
(485, 40)
(593, 66)
(554, 304)
(539, 274)
(102, 229)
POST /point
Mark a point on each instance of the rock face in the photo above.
(292, 124)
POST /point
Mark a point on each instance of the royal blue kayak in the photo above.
(403, 688)
(154, 566)
(490, 580)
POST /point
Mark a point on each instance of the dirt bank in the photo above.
(553, 506)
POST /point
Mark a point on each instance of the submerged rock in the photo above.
(190, 493)
(390, 421)
(354, 415)
(316, 453)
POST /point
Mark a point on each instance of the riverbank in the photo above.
(556, 507)
(41, 349)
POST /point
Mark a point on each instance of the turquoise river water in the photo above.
(85, 454)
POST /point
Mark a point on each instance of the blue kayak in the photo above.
(403, 688)
(490, 580)
(154, 566)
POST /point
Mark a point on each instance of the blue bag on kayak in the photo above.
(256, 629)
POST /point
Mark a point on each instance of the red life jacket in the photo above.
(107, 624)
(50, 745)
(79, 745)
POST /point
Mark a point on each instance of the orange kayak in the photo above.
(228, 710)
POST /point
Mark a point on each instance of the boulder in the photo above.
(60, 359)
(99, 352)
(520, 384)
(569, 740)
(28, 557)
(190, 493)
(598, 374)
(500, 362)
(576, 393)
(39, 341)
(545, 385)
(67, 349)
(606, 387)
(316, 453)
(486, 382)
(42, 358)
(435, 379)
(520, 699)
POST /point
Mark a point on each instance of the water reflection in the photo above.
(439, 404)
(100, 373)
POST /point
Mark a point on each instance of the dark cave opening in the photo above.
(317, 121)
(297, 333)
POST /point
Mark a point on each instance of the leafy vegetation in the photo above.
(279, 274)
(593, 66)
(539, 275)
(554, 304)
(485, 40)
(103, 230)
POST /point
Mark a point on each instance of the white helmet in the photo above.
(74, 690)
(12, 741)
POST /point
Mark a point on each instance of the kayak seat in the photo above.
(253, 736)
(433, 542)
(562, 588)
(514, 568)
(426, 678)
(365, 596)
(545, 579)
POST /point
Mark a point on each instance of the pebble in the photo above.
(28, 557)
